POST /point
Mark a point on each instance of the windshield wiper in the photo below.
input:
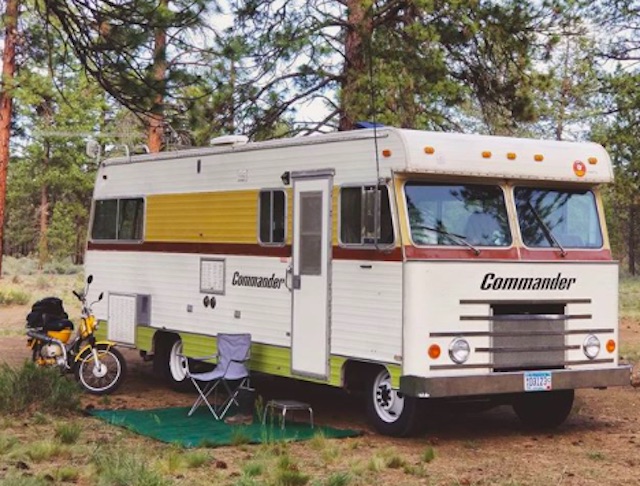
(452, 236)
(546, 230)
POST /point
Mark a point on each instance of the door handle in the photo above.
(295, 282)
(287, 275)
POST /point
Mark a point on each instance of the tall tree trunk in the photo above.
(359, 30)
(6, 102)
(156, 118)
(632, 239)
(43, 243)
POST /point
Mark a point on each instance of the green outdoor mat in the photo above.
(201, 430)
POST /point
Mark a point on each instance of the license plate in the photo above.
(537, 381)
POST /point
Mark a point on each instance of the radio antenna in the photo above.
(376, 208)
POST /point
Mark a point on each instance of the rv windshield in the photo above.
(558, 218)
(457, 215)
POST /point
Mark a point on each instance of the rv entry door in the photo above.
(311, 266)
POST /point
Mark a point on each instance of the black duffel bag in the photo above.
(49, 315)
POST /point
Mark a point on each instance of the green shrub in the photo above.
(68, 433)
(338, 479)
(67, 474)
(253, 468)
(24, 480)
(7, 442)
(62, 267)
(19, 266)
(116, 466)
(196, 459)
(14, 297)
(34, 388)
(429, 454)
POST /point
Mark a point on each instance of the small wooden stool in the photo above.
(286, 405)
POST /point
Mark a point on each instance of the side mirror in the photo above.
(90, 279)
(100, 296)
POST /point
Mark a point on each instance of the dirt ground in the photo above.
(599, 443)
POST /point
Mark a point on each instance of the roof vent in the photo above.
(227, 140)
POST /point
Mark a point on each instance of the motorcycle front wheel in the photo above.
(102, 377)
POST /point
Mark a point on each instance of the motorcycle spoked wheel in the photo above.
(105, 378)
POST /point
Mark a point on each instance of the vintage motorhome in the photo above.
(412, 265)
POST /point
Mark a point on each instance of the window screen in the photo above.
(311, 233)
(358, 216)
(271, 227)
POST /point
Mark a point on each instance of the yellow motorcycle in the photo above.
(97, 365)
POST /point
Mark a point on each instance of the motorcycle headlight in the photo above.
(459, 350)
(591, 346)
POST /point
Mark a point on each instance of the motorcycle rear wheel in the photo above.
(105, 378)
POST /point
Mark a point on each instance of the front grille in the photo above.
(523, 335)
(528, 337)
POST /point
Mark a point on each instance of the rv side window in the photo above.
(118, 219)
(272, 217)
(357, 216)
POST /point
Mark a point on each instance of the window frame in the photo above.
(285, 215)
(363, 244)
(118, 240)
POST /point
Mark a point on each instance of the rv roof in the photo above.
(446, 153)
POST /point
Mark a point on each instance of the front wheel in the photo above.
(105, 375)
(543, 410)
(388, 410)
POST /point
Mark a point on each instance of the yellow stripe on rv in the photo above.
(221, 217)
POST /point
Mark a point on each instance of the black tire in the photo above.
(171, 367)
(390, 412)
(543, 410)
(105, 379)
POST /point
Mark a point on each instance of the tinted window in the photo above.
(118, 219)
(271, 227)
(358, 216)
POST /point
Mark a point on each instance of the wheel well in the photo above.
(162, 339)
(161, 343)
(356, 373)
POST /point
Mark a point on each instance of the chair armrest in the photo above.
(200, 358)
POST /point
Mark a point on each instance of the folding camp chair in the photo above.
(231, 371)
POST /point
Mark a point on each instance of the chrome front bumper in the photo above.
(511, 382)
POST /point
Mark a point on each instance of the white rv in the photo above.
(410, 264)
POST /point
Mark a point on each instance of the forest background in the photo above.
(167, 74)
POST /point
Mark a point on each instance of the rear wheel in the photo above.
(543, 410)
(388, 410)
(171, 363)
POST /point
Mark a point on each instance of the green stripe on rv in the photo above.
(265, 358)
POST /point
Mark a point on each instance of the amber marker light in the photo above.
(592, 160)
(611, 346)
(429, 150)
(434, 351)
(486, 154)
(386, 153)
(579, 168)
(511, 156)
(538, 157)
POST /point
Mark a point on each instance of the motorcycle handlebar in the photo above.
(77, 295)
